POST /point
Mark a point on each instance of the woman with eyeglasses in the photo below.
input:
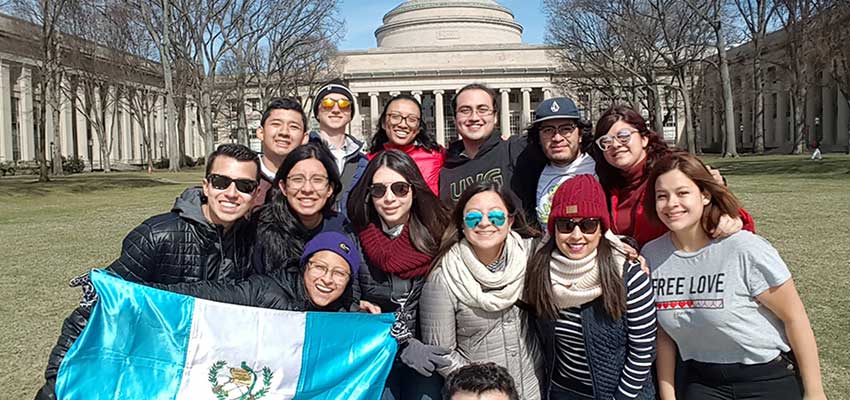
(728, 306)
(399, 222)
(625, 151)
(401, 127)
(469, 302)
(594, 308)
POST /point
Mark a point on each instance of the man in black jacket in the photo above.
(480, 154)
(205, 237)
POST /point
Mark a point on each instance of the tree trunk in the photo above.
(730, 149)
(758, 105)
(173, 150)
(686, 99)
(209, 134)
(40, 152)
(57, 137)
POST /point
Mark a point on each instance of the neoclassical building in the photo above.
(431, 48)
(426, 48)
(827, 113)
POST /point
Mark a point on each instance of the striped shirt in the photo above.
(570, 355)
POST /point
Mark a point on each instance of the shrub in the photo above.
(162, 163)
(73, 165)
(201, 161)
(7, 168)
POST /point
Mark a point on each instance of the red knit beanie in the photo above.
(579, 197)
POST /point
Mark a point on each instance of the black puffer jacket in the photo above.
(179, 246)
(389, 292)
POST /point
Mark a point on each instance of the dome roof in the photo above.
(417, 23)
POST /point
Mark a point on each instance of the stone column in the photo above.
(505, 112)
(781, 123)
(5, 113)
(394, 93)
(66, 129)
(417, 94)
(27, 115)
(526, 107)
(827, 121)
(82, 139)
(812, 110)
(439, 118)
(374, 113)
(355, 128)
(842, 125)
(189, 131)
(547, 93)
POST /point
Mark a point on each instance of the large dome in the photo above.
(417, 23)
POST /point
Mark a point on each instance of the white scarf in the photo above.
(476, 286)
(576, 282)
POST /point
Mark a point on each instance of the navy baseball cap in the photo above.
(554, 108)
(337, 243)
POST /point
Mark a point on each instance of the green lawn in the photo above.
(52, 232)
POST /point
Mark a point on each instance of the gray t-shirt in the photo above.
(551, 179)
(706, 300)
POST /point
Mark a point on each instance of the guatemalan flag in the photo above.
(144, 343)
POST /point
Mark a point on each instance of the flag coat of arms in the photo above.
(145, 343)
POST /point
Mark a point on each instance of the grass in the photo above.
(52, 232)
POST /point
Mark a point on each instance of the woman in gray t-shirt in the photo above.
(728, 305)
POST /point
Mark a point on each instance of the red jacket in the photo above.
(639, 226)
(429, 162)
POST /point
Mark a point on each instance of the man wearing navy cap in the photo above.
(557, 129)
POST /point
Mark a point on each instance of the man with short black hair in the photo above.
(205, 237)
(334, 107)
(283, 127)
(558, 131)
(480, 154)
(480, 382)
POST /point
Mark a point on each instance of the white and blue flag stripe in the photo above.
(144, 343)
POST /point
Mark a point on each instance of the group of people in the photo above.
(501, 258)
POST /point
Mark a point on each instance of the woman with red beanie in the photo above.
(594, 309)
(625, 151)
(399, 220)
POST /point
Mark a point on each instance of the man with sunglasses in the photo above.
(205, 237)
(333, 107)
(481, 155)
(558, 131)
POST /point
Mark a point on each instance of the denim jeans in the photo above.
(774, 380)
(404, 383)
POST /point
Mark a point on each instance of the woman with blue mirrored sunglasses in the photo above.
(468, 304)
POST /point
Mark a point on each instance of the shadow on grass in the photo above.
(83, 184)
(792, 166)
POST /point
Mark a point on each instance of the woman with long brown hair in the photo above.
(594, 309)
(729, 305)
(399, 220)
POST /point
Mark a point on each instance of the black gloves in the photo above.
(424, 358)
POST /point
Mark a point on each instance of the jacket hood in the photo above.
(455, 156)
(188, 205)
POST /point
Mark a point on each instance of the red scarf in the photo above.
(394, 256)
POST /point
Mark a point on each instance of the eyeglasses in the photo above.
(379, 190)
(624, 136)
(328, 103)
(568, 225)
(296, 182)
(222, 182)
(466, 111)
(319, 270)
(473, 218)
(563, 130)
(396, 118)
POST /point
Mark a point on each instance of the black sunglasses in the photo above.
(379, 190)
(567, 225)
(222, 182)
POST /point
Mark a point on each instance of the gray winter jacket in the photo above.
(475, 336)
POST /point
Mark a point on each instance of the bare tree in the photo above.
(832, 41)
(713, 13)
(796, 17)
(49, 15)
(756, 16)
(602, 46)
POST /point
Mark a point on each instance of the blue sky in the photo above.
(363, 17)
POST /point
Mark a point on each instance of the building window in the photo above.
(775, 99)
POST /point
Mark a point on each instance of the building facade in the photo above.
(827, 113)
